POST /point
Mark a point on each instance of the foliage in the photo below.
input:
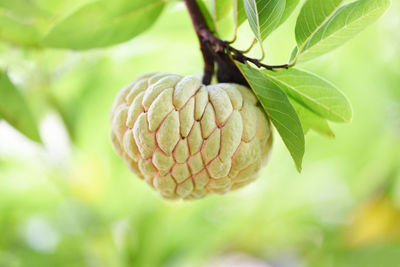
(320, 28)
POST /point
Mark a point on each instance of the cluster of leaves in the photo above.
(77, 25)
(295, 100)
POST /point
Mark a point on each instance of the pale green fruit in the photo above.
(187, 140)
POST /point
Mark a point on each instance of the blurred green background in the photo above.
(72, 201)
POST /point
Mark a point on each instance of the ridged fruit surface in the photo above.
(187, 140)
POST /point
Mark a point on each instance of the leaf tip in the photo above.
(350, 115)
(299, 169)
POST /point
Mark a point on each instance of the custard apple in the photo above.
(187, 140)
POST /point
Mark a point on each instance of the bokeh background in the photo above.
(72, 202)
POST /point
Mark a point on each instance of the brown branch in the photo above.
(200, 23)
(216, 50)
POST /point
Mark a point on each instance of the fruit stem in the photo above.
(198, 24)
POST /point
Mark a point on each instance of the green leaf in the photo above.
(14, 109)
(276, 104)
(206, 14)
(313, 15)
(315, 93)
(220, 8)
(289, 8)
(97, 25)
(310, 120)
(347, 22)
(263, 16)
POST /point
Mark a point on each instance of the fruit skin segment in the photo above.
(188, 140)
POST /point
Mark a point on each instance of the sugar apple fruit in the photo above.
(187, 140)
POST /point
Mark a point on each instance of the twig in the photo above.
(216, 50)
